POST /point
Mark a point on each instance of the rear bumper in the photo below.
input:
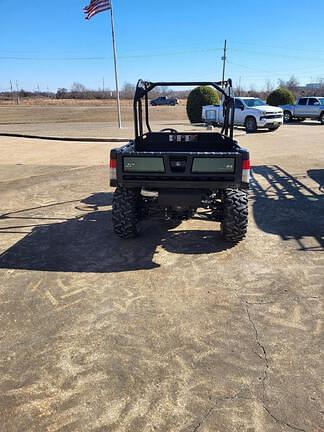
(177, 184)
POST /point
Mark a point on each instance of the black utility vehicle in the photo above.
(175, 175)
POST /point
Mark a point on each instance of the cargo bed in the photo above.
(188, 160)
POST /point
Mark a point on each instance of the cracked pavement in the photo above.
(175, 330)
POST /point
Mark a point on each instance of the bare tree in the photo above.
(269, 86)
(78, 88)
(128, 91)
(292, 84)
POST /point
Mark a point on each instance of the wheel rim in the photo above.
(287, 116)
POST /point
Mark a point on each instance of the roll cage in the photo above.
(143, 88)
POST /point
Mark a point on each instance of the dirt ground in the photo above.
(175, 330)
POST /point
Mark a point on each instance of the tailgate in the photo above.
(197, 169)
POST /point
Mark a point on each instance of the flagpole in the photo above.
(115, 64)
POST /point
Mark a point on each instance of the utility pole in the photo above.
(17, 88)
(11, 89)
(224, 58)
(115, 66)
(103, 84)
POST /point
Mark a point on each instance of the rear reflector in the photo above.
(246, 164)
(113, 169)
(113, 163)
(246, 167)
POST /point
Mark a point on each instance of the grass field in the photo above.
(52, 110)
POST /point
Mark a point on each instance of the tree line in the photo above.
(79, 91)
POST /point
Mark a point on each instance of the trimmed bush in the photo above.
(199, 97)
(281, 96)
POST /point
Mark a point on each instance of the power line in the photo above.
(163, 54)
(276, 47)
(284, 56)
(175, 53)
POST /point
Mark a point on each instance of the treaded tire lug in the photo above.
(125, 212)
(235, 220)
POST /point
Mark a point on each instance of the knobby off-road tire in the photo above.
(235, 219)
(126, 212)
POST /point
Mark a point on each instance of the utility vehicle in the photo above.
(176, 176)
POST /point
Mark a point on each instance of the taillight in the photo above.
(246, 167)
(113, 169)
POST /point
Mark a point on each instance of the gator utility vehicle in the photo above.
(176, 176)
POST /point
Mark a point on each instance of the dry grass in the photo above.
(63, 102)
(53, 111)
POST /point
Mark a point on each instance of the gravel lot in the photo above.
(175, 330)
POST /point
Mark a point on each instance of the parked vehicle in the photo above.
(305, 108)
(170, 175)
(252, 113)
(164, 100)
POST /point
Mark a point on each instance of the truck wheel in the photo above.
(235, 219)
(126, 212)
(274, 128)
(287, 116)
(250, 125)
(322, 118)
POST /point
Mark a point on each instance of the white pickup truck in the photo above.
(252, 113)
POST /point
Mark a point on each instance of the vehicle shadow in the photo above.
(285, 206)
(303, 123)
(318, 176)
(88, 243)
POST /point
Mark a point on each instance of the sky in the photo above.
(48, 44)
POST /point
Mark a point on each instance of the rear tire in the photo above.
(287, 116)
(321, 119)
(126, 212)
(250, 125)
(235, 220)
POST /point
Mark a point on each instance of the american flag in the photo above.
(95, 7)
